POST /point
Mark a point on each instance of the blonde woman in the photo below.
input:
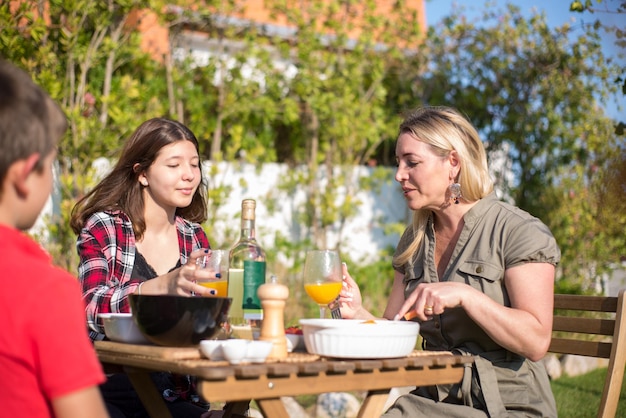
(477, 273)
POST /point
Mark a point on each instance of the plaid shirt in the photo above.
(106, 247)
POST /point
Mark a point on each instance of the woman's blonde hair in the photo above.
(446, 130)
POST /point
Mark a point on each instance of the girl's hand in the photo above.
(184, 280)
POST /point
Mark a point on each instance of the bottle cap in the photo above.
(247, 208)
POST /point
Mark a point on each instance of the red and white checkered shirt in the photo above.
(106, 247)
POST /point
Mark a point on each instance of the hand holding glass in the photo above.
(216, 261)
(322, 277)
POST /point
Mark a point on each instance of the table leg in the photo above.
(373, 403)
(272, 407)
(148, 393)
(234, 409)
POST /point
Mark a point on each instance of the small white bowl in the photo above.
(212, 349)
(258, 351)
(235, 351)
(121, 327)
(295, 342)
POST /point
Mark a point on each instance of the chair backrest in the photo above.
(579, 335)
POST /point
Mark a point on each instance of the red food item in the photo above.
(293, 330)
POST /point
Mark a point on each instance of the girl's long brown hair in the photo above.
(120, 189)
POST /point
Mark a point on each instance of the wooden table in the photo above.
(299, 374)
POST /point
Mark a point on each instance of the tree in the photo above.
(536, 96)
(87, 56)
(340, 51)
(618, 33)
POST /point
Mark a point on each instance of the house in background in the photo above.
(157, 42)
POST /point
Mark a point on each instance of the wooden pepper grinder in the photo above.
(273, 296)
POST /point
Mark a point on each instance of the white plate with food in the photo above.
(360, 339)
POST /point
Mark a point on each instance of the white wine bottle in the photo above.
(246, 271)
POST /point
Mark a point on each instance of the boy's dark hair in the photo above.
(30, 121)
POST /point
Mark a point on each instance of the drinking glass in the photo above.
(217, 262)
(322, 277)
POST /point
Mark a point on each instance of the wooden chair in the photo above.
(576, 327)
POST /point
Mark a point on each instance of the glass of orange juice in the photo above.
(217, 262)
(322, 277)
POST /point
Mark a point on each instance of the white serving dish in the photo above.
(121, 327)
(356, 338)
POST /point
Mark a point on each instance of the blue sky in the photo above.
(556, 11)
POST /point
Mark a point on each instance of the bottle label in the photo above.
(253, 277)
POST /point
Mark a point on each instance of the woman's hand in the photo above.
(430, 299)
(350, 297)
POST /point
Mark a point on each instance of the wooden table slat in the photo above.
(250, 371)
(367, 365)
(172, 353)
(340, 366)
(281, 369)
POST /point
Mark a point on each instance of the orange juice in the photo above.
(221, 286)
(323, 293)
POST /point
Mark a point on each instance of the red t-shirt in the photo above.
(44, 348)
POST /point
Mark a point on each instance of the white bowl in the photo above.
(235, 351)
(295, 342)
(212, 349)
(355, 338)
(258, 351)
(121, 327)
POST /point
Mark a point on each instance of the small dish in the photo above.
(235, 351)
(258, 351)
(121, 327)
(212, 349)
(295, 342)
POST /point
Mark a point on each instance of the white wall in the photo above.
(363, 235)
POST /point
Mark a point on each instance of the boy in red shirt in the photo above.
(47, 363)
